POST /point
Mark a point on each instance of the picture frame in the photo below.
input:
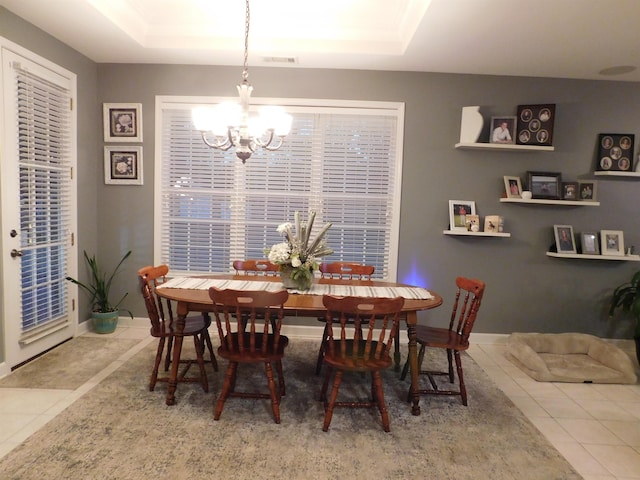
(122, 122)
(504, 134)
(565, 240)
(535, 124)
(588, 190)
(494, 223)
(458, 211)
(123, 165)
(545, 185)
(513, 187)
(612, 242)
(589, 243)
(472, 222)
(615, 152)
(570, 190)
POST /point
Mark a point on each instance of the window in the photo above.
(342, 160)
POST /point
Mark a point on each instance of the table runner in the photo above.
(414, 293)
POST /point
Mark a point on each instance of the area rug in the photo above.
(120, 430)
(69, 365)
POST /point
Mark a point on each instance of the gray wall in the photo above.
(526, 290)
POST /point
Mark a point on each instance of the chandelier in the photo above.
(231, 125)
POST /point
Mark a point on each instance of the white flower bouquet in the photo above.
(298, 254)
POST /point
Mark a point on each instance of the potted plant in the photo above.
(103, 312)
(627, 297)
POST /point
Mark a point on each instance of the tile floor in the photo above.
(596, 427)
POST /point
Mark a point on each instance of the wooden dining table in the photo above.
(190, 297)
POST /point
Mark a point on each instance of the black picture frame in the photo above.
(615, 152)
(588, 190)
(545, 185)
(535, 124)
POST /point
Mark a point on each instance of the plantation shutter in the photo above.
(44, 162)
(342, 162)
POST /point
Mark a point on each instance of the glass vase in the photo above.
(301, 282)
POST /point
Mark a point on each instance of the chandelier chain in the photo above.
(245, 72)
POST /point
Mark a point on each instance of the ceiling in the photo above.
(541, 38)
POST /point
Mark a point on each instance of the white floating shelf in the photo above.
(476, 234)
(620, 258)
(505, 147)
(542, 201)
(610, 173)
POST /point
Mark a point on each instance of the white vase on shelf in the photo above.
(471, 124)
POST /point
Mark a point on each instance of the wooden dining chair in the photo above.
(454, 339)
(163, 327)
(255, 267)
(361, 332)
(249, 324)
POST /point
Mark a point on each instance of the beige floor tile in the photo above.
(620, 393)
(529, 406)
(12, 423)
(581, 391)
(563, 408)
(29, 401)
(629, 432)
(552, 430)
(620, 461)
(632, 407)
(603, 409)
(589, 431)
(580, 458)
(599, 477)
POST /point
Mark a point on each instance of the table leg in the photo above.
(412, 320)
(182, 312)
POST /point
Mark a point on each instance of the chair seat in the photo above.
(355, 360)
(441, 338)
(193, 325)
(273, 352)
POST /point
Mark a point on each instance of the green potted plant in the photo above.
(103, 312)
(627, 297)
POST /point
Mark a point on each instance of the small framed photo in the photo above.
(458, 211)
(615, 152)
(503, 129)
(588, 190)
(535, 124)
(612, 242)
(565, 241)
(589, 243)
(513, 187)
(570, 190)
(473, 223)
(123, 165)
(493, 223)
(545, 185)
(122, 122)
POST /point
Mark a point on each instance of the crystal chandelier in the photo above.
(231, 125)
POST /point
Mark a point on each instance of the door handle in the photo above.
(16, 253)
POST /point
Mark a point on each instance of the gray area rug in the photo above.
(120, 430)
(69, 365)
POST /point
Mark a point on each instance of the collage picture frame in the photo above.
(615, 152)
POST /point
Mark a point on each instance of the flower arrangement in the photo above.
(298, 253)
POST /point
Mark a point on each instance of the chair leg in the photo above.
(379, 398)
(325, 384)
(226, 387)
(207, 340)
(463, 389)
(167, 360)
(396, 356)
(321, 350)
(449, 354)
(332, 401)
(275, 398)
(156, 365)
(200, 359)
(281, 386)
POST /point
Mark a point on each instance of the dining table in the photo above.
(191, 294)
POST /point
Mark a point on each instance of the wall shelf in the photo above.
(620, 258)
(616, 174)
(504, 147)
(542, 201)
(476, 234)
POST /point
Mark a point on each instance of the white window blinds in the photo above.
(43, 116)
(344, 162)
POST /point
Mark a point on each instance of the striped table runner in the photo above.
(415, 293)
